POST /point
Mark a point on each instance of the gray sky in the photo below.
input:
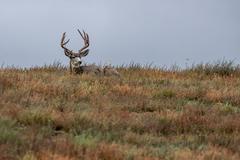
(164, 32)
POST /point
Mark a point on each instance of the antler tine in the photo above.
(62, 41)
(85, 37)
(63, 37)
(66, 42)
(80, 34)
(88, 40)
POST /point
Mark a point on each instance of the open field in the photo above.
(148, 113)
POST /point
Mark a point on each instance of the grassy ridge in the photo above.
(148, 113)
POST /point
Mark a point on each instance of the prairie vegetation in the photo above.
(148, 113)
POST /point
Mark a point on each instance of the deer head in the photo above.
(75, 57)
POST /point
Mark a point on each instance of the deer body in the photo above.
(96, 70)
(75, 59)
(90, 69)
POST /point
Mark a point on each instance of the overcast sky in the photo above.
(162, 32)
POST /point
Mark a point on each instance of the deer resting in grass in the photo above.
(75, 58)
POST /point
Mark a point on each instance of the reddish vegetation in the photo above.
(46, 113)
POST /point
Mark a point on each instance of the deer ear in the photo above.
(83, 53)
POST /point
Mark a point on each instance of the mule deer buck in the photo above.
(75, 58)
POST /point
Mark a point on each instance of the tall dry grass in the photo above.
(148, 113)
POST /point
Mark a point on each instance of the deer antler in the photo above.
(62, 41)
(82, 52)
(67, 52)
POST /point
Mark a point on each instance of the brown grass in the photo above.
(46, 113)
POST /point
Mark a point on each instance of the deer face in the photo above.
(75, 62)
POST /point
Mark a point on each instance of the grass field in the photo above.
(148, 113)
